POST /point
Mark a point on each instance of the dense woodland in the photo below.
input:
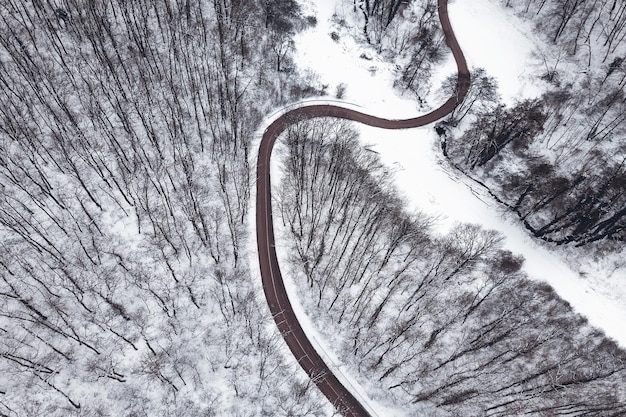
(125, 131)
(557, 161)
(442, 325)
(125, 288)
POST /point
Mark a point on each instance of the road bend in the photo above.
(297, 341)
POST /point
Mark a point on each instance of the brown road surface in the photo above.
(273, 285)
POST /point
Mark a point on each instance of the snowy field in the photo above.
(491, 38)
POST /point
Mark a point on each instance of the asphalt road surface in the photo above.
(273, 285)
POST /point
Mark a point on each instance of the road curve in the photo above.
(273, 285)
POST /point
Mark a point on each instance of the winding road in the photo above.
(273, 285)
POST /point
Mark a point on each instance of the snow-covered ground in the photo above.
(491, 38)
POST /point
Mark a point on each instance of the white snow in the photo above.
(368, 82)
(494, 39)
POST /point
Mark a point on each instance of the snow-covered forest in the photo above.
(441, 325)
(557, 161)
(377, 281)
(127, 284)
(125, 132)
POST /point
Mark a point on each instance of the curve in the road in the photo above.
(273, 285)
